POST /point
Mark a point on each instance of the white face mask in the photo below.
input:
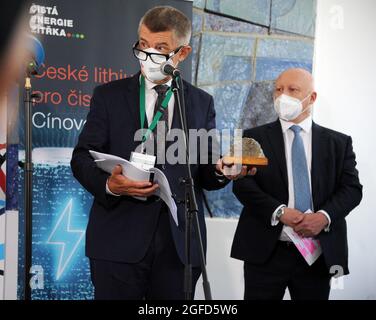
(152, 70)
(289, 108)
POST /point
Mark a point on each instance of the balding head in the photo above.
(299, 77)
(297, 83)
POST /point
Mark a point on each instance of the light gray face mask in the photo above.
(289, 108)
(152, 70)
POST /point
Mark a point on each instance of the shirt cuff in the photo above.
(274, 221)
(327, 228)
(108, 191)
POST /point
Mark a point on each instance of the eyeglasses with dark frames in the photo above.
(158, 58)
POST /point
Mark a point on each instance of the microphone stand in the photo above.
(28, 179)
(191, 208)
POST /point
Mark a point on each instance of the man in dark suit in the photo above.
(136, 250)
(311, 169)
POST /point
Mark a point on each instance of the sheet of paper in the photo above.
(309, 248)
(164, 192)
(107, 162)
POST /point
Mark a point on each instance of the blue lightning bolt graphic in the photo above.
(65, 237)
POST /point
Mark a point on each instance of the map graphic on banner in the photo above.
(87, 43)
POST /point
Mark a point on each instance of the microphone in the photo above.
(169, 70)
(37, 54)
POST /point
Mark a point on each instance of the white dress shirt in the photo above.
(151, 98)
(288, 137)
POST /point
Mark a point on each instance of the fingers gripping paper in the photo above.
(107, 162)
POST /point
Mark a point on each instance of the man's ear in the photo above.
(313, 97)
(184, 53)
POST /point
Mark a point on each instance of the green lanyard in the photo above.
(158, 114)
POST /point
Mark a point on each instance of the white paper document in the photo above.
(107, 162)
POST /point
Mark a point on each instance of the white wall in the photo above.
(225, 274)
(345, 70)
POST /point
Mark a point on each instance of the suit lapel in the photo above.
(275, 138)
(189, 109)
(176, 117)
(132, 97)
(319, 143)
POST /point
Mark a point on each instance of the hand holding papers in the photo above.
(135, 172)
(118, 184)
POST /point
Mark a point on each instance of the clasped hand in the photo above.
(306, 225)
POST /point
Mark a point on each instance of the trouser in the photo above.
(158, 276)
(287, 269)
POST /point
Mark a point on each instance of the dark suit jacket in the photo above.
(335, 189)
(121, 228)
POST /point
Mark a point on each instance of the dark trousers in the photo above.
(287, 269)
(158, 276)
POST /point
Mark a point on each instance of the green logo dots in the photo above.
(76, 35)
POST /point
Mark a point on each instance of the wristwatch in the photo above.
(279, 213)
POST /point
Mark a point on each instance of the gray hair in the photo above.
(166, 18)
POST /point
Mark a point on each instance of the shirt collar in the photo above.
(306, 124)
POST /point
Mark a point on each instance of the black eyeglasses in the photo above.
(158, 58)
